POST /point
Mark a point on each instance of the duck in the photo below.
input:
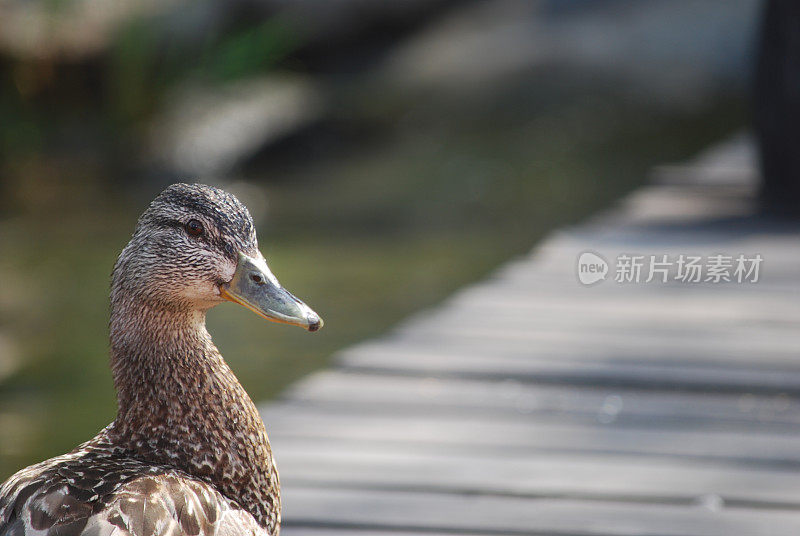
(187, 453)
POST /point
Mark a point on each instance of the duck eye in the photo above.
(194, 227)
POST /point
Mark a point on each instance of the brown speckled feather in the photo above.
(87, 493)
(188, 453)
(97, 490)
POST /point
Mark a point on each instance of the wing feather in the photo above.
(175, 504)
(45, 501)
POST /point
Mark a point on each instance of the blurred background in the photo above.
(391, 152)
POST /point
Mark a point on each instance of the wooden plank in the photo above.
(776, 241)
(352, 509)
(413, 395)
(777, 342)
(500, 437)
(722, 356)
(555, 262)
(777, 272)
(290, 528)
(560, 271)
(669, 307)
(782, 280)
(348, 465)
(598, 367)
(589, 316)
(620, 309)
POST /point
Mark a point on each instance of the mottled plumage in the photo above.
(188, 453)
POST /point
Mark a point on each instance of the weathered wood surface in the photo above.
(529, 404)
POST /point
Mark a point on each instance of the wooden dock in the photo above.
(530, 404)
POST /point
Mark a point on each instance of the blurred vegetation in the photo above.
(144, 62)
(425, 194)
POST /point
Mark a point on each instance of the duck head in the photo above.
(195, 247)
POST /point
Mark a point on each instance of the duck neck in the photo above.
(181, 405)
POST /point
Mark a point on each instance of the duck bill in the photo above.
(254, 286)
